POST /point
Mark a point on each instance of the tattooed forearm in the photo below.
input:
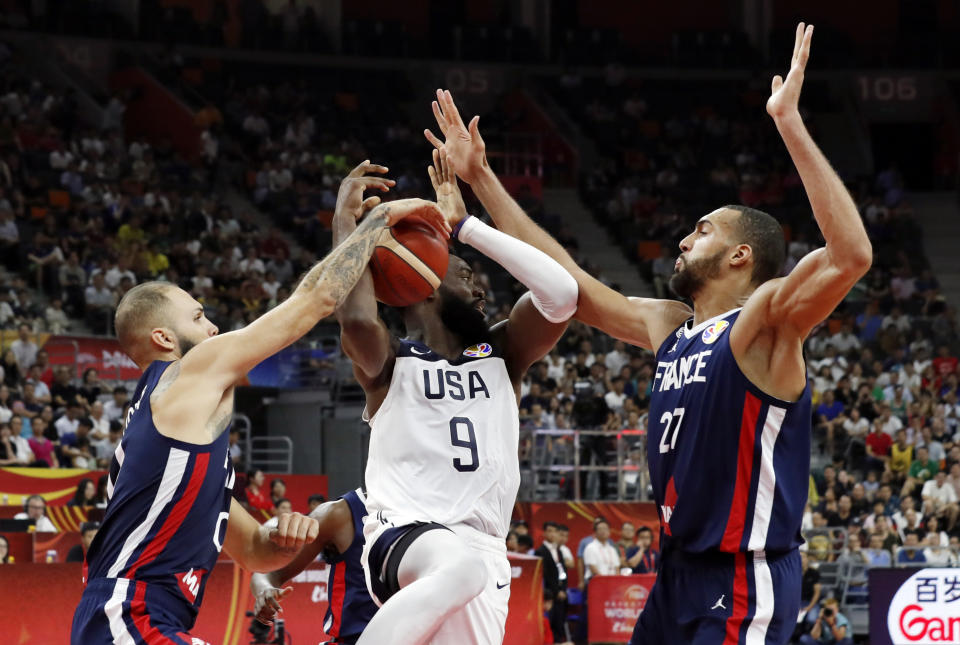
(339, 271)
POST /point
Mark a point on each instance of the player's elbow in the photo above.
(560, 303)
(855, 261)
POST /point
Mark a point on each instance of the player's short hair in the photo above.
(140, 308)
(765, 236)
(547, 525)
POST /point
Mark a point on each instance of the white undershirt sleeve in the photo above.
(554, 290)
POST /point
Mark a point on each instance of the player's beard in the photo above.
(184, 344)
(462, 318)
(694, 274)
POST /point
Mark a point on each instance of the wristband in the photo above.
(456, 229)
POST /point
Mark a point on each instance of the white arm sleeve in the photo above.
(554, 290)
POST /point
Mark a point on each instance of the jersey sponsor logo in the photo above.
(712, 333)
(501, 586)
(674, 374)
(674, 347)
(449, 383)
(189, 583)
(418, 352)
(478, 351)
(719, 604)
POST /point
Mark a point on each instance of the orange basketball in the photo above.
(409, 262)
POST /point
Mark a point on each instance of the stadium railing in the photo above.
(551, 456)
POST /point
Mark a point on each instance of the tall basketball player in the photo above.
(340, 540)
(729, 435)
(442, 472)
(170, 511)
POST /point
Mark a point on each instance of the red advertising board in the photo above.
(56, 588)
(613, 605)
(98, 352)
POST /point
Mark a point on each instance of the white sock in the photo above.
(438, 575)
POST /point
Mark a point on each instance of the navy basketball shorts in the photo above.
(122, 611)
(722, 599)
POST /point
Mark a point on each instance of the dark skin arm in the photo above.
(526, 335)
(365, 338)
(335, 532)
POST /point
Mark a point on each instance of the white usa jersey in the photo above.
(443, 445)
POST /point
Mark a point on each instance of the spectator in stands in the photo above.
(912, 552)
(106, 448)
(35, 508)
(600, 556)
(831, 627)
(100, 302)
(24, 348)
(809, 589)
(901, 456)
(525, 544)
(114, 408)
(11, 369)
(85, 494)
(877, 446)
(4, 550)
(14, 450)
(235, 451)
(101, 424)
(940, 500)
(70, 420)
(936, 554)
(642, 557)
(278, 490)
(921, 470)
(877, 556)
(512, 545)
(91, 387)
(627, 541)
(554, 578)
(41, 447)
(257, 495)
(563, 536)
(314, 501)
(78, 552)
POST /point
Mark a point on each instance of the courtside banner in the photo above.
(914, 606)
(613, 605)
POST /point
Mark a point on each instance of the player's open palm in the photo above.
(785, 94)
(465, 148)
(350, 201)
(444, 182)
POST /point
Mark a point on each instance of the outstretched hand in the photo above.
(350, 201)
(444, 182)
(785, 94)
(465, 148)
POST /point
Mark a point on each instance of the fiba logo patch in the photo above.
(712, 333)
(478, 351)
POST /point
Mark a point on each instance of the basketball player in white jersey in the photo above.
(729, 268)
(442, 473)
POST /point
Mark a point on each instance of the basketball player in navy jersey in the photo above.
(340, 540)
(729, 432)
(170, 510)
(442, 471)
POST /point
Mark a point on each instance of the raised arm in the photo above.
(540, 317)
(643, 322)
(223, 360)
(822, 278)
(364, 337)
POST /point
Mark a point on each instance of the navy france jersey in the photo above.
(167, 516)
(350, 606)
(729, 464)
